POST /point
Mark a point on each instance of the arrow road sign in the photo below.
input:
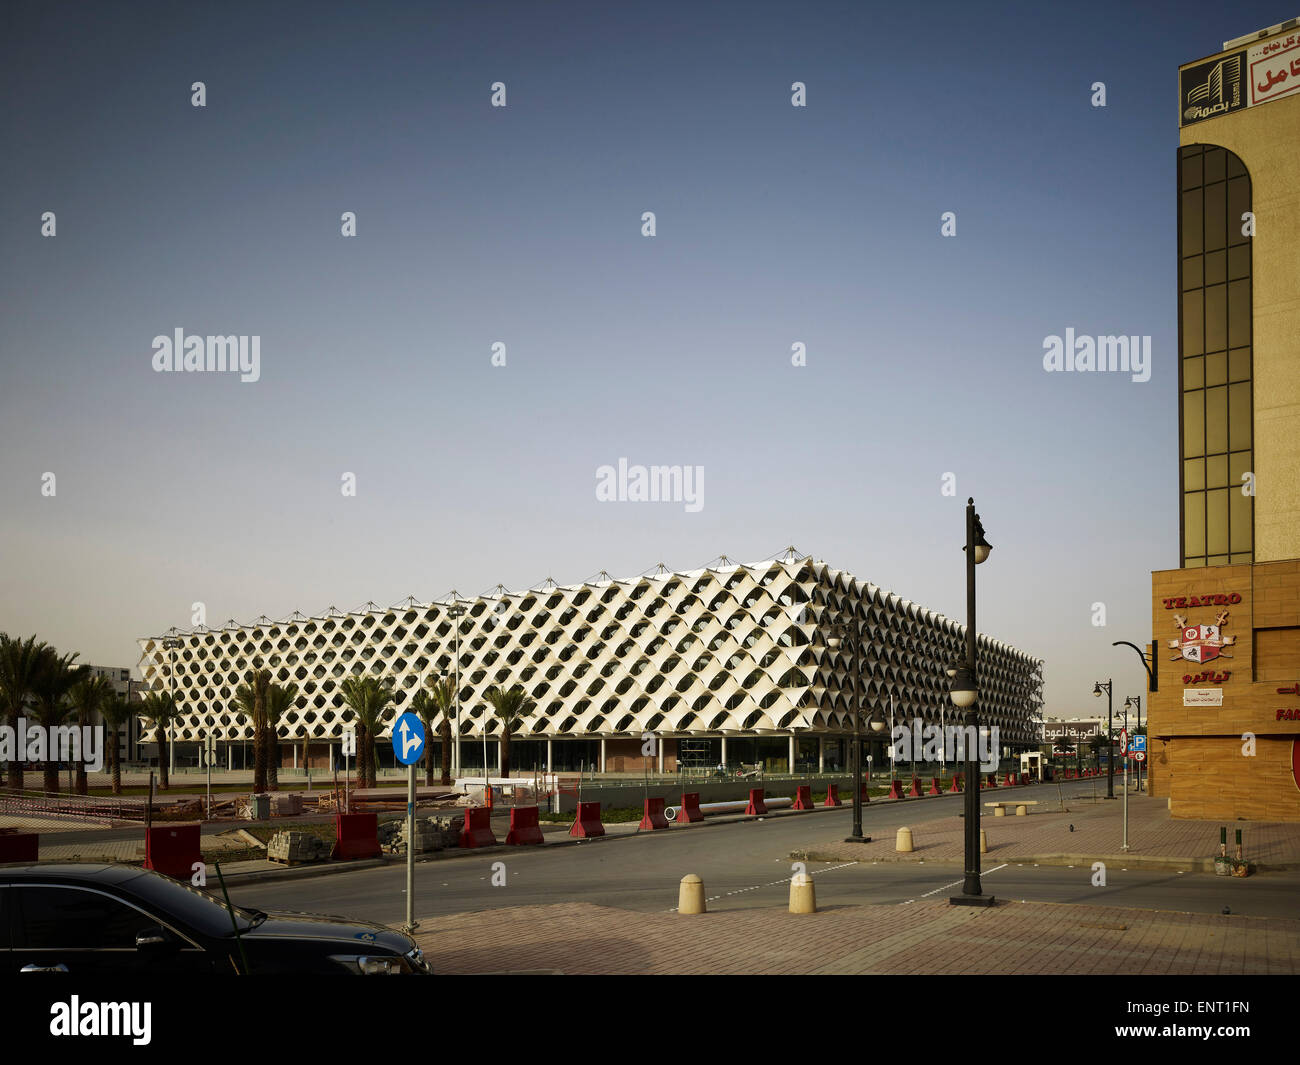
(349, 743)
(408, 739)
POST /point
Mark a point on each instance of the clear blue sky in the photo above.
(522, 224)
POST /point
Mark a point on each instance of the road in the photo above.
(744, 865)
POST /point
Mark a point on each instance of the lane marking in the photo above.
(945, 887)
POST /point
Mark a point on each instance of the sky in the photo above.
(523, 225)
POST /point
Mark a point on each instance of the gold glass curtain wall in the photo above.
(1216, 422)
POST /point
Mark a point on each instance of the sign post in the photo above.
(349, 746)
(1139, 756)
(209, 753)
(408, 746)
(1123, 749)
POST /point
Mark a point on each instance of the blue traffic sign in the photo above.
(1139, 742)
(408, 739)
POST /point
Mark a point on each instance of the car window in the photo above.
(188, 905)
(4, 918)
(75, 918)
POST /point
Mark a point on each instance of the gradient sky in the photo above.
(523, 225)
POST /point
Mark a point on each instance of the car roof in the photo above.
(85, 872)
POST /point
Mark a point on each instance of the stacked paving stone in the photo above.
(431, 834)
(292, 847)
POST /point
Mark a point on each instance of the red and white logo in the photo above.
(1201, 643)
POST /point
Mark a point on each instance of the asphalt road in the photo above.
(744, 865)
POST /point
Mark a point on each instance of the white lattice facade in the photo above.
(728, 649)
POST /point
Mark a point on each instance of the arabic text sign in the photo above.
(1257, 75)
(1202, 696)
(1273, 69)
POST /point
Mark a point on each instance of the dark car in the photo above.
(110, 919)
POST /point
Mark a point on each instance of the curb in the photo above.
(452, 853)
(1126, 861)
(1148, 861)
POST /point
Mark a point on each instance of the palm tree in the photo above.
(258, 683)
(116, 712)
(368, 698)
(56, 676)
(159, 708)
(279, 701)
(510, 708)
(19, 664)
(444, 696)
(88, 697)
(423, 706)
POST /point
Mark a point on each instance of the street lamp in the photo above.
(170, 644)
(835, 640)
(456, 612)
(1097, 689)
(964, 694)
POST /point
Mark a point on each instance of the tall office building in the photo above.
(1225, 725)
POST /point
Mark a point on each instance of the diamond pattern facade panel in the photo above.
(731, 648)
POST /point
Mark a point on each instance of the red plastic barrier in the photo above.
(934, 787)
(756, 803)
(524, 828)
(895, 790)
(803, 797)
(690, 809)
(652, 816)
(914, 792)
(587, 822)
(478, 828)
(832, 795)
(356, 836)
(172, 850)
(20, 847)
(956, 784)
(866, 792)
(1010, 780)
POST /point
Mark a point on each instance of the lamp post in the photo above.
(964, 693)
(1097, 689)
(170, 644)
(836, 639)
(456, 612)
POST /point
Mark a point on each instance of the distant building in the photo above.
(724, 664)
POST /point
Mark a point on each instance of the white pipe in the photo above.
(739, 805)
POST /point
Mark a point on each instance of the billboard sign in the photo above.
(1249, 76)
(1071, 730)
(1208, 90)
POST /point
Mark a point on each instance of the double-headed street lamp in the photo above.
(964, 693)
(1097, 689)
(456, 612)
(838, 635)
(170, 643)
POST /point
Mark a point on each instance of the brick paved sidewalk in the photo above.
(1098, 830)
(927, 937)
